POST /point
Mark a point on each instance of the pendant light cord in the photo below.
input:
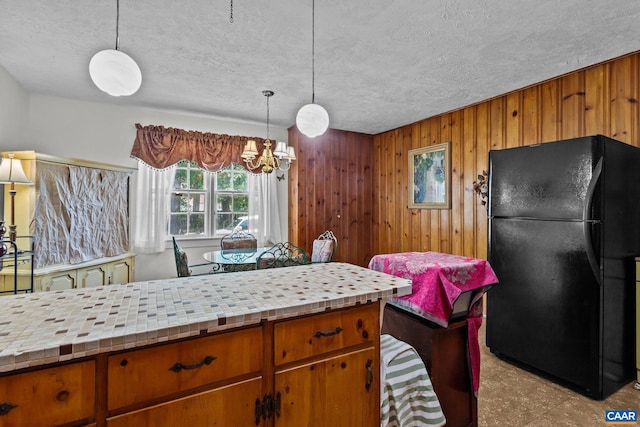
(313, 51)
(117, 24)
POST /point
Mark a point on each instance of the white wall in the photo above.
(105, 133)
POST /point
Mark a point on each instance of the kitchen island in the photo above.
(287, 346)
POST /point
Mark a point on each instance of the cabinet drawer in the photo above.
(142, 375)
(314, 335)
(48, 397)
(233, 405)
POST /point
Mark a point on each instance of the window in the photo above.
(232, 199)
(208, 204)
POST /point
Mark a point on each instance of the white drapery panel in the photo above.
(153, 188)
(264, 209)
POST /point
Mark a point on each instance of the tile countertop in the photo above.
(48, 327)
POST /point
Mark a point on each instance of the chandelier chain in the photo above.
(231, 11)
(268, 96)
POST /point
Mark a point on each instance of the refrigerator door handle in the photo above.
(587, 221)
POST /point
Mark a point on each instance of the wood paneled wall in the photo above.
(330, 188)
(602, 99)
(356, 184)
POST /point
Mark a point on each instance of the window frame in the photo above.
(210, 193)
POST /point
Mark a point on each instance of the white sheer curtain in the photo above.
(151, 208)
(264, 209)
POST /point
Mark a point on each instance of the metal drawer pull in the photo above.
(321, 334)
(370, 376)
(177, 367)
(5, 407)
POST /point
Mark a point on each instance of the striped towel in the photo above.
(406, 394)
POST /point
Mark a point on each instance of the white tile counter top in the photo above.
(48, 327)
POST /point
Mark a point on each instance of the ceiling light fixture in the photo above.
(281, 158)
(113, 71)
(312, 119)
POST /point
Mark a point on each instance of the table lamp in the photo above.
(11, 172)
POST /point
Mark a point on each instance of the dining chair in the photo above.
(283, 254)
(324, 247)
(182, 263)
(238, 239)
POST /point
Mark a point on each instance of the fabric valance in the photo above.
(161, 147)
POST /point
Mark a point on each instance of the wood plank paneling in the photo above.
(331, 187)
(602, 99)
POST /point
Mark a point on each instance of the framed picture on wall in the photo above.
(430, 177)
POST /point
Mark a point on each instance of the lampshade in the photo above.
(281, 150)
(312, 120)
(11, 171)
(115, 72)
(291, 153)
(250, 150)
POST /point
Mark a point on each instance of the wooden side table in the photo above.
(445, 354)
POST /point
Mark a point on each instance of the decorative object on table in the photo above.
(11, 172)
(312, 119)
(324, 247)
(113, 71)
(430, 177)
(280, 158)
(481, 187)
(3, 246)
(182, 263)
(284, 254)
(238, 239)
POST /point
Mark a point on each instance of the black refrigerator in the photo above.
(564, 228)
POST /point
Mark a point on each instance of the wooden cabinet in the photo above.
(98, 272)
(46, 397)
(228, 406)
(445, 355)
(327, 369)
(178, 367)
(340, 391)
(316, 370)
(108, 273)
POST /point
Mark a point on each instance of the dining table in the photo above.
(235, 259)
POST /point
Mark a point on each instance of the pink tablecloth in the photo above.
(438, 279)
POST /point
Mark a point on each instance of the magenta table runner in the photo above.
(437, 281)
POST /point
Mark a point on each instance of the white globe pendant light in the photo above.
(113, 71)
(312, 119)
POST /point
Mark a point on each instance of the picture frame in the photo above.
(430, 177)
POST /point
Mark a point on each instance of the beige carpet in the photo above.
(510, 396)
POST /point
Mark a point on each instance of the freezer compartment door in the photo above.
(545, 313)
(553, 180)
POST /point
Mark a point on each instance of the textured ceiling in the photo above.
(380, 64)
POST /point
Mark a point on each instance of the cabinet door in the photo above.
(233, 405)
(48, 397)
(58, 281)
(91, 277)
(342, 391)
(120, 271)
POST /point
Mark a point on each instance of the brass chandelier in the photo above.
(280, 158)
